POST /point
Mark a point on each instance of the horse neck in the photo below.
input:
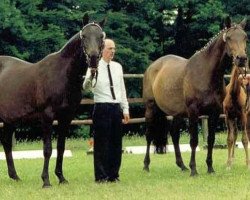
(218, 61)
(234, 84)
(73, 52)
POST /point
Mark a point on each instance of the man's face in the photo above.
(109, 50)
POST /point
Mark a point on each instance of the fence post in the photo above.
(204, 124)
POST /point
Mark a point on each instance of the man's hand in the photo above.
(126, 118)
(93, 72)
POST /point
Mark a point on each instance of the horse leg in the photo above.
(175, 134)
(212, 124)
(244, 139)
(193, 130)
(230, 141)
(248, 124)
(235, 132)
(62, 130)
(6, 140)
(47, 151)
(149, 131)
(147, 156)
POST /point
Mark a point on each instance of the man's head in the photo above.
(109, 50)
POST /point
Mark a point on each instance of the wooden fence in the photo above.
(204, 119)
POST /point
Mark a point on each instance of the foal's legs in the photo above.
(175, 134)
(62, 130)
(6, 140)
(248, 124)
(244, 139)
(231, 138)
(47, 150)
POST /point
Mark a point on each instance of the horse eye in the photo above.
(83, 37)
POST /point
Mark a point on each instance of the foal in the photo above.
(234, 106)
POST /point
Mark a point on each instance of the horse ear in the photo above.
(103, 22)
(243, 23)
(85, 19)
(227, 22)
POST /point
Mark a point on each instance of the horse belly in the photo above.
(168, 92)
(171, 101)
(15, 98)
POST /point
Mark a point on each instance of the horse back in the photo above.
(9, 61)
(163, 82)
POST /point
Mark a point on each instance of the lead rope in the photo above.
(95, 76)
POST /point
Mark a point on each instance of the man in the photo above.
(110, 107)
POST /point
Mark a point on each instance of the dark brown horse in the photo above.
(193, 87)
(236, 110)
(47, 90)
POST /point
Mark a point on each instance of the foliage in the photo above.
(144, 30)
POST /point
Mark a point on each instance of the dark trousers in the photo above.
(107, 124)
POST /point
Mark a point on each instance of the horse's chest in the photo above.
(205, 103)
(211, 99)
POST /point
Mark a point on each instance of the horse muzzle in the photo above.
(241, 61)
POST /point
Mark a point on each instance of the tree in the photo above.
(12, 31)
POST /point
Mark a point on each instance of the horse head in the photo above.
(236, 41)
(92, 41)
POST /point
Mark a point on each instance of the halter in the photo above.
(227, 30)
(93, 75)
(224, 36)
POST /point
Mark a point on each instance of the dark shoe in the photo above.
(113, 180)
(104, 180)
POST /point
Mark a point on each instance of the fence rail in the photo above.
(204, 118)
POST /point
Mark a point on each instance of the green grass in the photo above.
(164, 181)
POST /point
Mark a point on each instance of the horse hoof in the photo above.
(47, 186)
(228, 168)
(146, 169)
(194, 173)
(211, 171)
(184, 169)
(15, 178)
(64, 182)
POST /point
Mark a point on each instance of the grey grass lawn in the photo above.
(164, 181)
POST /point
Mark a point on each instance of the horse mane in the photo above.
(215, 37)
(212, 40)
(69, 48)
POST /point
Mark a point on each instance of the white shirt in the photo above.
(102, 92)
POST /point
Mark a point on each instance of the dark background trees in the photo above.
(144, 30)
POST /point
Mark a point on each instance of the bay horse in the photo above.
(47, 90)
(192, 87)
(236, 110)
